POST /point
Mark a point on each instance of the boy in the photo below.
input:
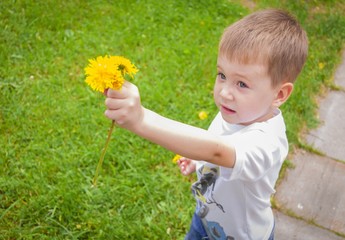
(239, 158)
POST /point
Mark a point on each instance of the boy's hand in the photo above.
(187, 166)
(124, 106)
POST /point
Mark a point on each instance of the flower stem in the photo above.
(100, 162)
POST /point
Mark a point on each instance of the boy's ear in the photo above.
(283, 93)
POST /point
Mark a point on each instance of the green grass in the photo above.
(52, 125)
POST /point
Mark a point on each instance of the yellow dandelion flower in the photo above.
(124, 65)
(321, 65)
(202, 115)
(176, 158)
(108, 72)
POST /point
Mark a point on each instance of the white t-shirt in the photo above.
(234, 203)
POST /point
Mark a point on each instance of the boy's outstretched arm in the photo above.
(125, 108)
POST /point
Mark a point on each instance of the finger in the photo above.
(114, 104)
(186, 170)
(112, 93)
(121, 93)
(115, 115)
(181, 161)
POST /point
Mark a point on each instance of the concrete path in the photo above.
(311, 197)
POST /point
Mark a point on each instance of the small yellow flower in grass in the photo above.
(103, 73)
(321, 65)
(202, 115)
(176, 158)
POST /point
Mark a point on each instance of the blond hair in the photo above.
(271, 37)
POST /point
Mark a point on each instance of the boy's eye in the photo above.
(242, 85)
(222, 76)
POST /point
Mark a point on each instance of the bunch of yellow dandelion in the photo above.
(108, 72)
(103, 73)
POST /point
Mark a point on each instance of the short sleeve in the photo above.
(256, 153)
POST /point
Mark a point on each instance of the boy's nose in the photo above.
(227, 93)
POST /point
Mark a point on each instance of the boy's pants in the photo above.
(198, 232)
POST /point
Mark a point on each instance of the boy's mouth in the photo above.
(227, 110)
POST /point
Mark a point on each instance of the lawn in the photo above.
(52, 124)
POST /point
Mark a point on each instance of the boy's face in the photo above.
(243, 92)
